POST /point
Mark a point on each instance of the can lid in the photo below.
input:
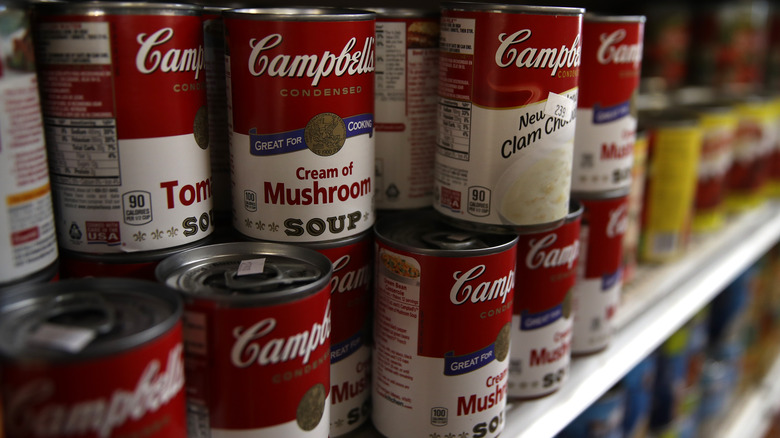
(98, 8)
(426, 232)
(300, 13)
(246, 274)
(77, 319)
(599, 18)
(387, 12)
(511, 8)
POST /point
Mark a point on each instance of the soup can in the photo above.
(442, 318)
(257, 320)
(508, 89)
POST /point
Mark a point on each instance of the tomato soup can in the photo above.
(257, 320)
(596, 293)
(607, 107)
(123, 95)
(92, 358)
(351, 289)
(406, 99)
(674, 146)
(442, 318)
(29, 242)
(540, 354)
(508, 89)
(301, 99)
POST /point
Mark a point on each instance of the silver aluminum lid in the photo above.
(511, 8)
(300, 13)
(98, 8)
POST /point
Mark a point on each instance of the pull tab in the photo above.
(274, 276)
(453, 240)
(86, 310)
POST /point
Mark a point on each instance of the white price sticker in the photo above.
(251, 267)
(62, 337)
(559, 106)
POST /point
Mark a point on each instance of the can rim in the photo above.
(595, 17)
(502, 7)
(97, 8)
(300, 13)
(389, 12)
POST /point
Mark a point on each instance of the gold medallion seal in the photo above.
(311, 408)
(325, 134)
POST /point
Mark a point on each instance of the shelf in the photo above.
(658, 301)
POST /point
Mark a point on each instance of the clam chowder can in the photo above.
(406, 99)
(28, 245)
(542, 321)
(350, 343)
(124, 107)
(301, 99)
(596, 294)
(92, 358)
(606, 112)
(508, 89)
(443, 311)
(257, 320)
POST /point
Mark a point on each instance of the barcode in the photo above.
(197, 420)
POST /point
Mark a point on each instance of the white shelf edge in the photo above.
(660, 302)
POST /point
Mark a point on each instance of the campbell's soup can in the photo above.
(123, 93)
(301, 99)
(407, 75)
(635, 199)
(542, 319)
(607, 107)
(667, 43)
(596, 293)
(773, 185)
(29, 242)
(257, 321)
(508, 89)
(442, 318)
(674, 147)
(350, 337)
(92, 358)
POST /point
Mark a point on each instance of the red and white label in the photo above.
(136, 392)
(441, 329)
(505, 155)
(301, 100)
(606, 129)
(350, 343)
(543, 318)
(125, 116)
(274, 360)
(599, 279)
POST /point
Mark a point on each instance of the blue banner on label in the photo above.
(345, 348)
(611, 113)
(293, 141)
(610, 280)
(532, 321)
(457, 365)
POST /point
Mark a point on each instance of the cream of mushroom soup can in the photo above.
(508, 88)
(607, 113)
(257, 325)
(543, 317)
(92, 358)
(123, 97)
(301, 122)
(442, 316)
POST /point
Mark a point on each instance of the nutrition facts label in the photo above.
(86, 153)
(455, 128)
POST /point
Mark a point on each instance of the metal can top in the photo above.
(599, 18)
(511, 8)
(426, 232)
(385, 12)
(300, 13)
(121, 314)
(286, 273)
(98, 8)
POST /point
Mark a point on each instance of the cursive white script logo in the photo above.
(610, 52)
(249, 349)
(540, 254)
(149, 58)
(534, 57)
(465, 290)
(350, 280)
(311, 66)
(618, 222)
(30, 412)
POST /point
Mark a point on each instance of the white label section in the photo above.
(350, 390)
(560, 107)
(540, 358)
(520, 173)
(251, 267)
(594, 309)
(27, 232)
(457, 35)
(82, 43)
(62, 337)
(405, 115)
(300, 196)
(603, 153)
(159, 198)
(284, 430)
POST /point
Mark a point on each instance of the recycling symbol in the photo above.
(74, 232)
(392, 191)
